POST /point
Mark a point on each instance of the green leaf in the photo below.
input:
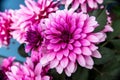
(116, 44)
(80, 74)
(104, 77)
(101, 17)
(116, 28)
(108, 1)
(116, 10)
(107, 55)
(21, 51)
(56, 76)
(110, 70)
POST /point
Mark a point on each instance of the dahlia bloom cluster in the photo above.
(56, 39)
(5, 22)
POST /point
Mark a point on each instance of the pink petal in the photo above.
(50, 46)
(30, 63)
(71, 67)
(100, 1)
(54, 63)
(83, 35)
(68, 2)
(81, 60)
(59, 55)
(70, 47)
(84, 7)
(55, 40)
(86, 51)
(75, 5)
(27, 48)
(59, 69)
(96, 54)
(77, 36)
(63, 45)
(89, 60)
(72, 57)
(53, 30)
(89, 66)
(38, 77)
(108, 28)
(77, 31)
(81, 1)
(44, 60)
(101, 36)
(91, 3)
(38, 68)
(50, 56)
(88, 29)
(65, 52)
(92, 38)
(77, 44)
(14, 70)
(85, 42)
(77, 50)
(57, 47)
(91, 22)
(64, 62)
(93, 47)
(45, 78)
(67, 73)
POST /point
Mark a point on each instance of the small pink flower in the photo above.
(29, 15)
(70, 39)
(34, 38)
(28, 71)
(5, 22)
(93, 4)
(7, 63)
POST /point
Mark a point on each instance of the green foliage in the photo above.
(116, 28)
(21, 51)
(116, 44)
(80, 74)
(107, 55)
(101, 16)
(108, 1)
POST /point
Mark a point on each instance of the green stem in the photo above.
(104, 43)
(97, 71)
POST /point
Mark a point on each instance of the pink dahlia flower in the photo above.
(7, 63)
(34, 38)
(31, 70)
(5, 21)
(29, 15)
(70, 39)
(91, 4)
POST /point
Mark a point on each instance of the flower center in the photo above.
(34, 38)
(66, 36)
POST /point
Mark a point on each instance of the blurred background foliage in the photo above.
(106, 68)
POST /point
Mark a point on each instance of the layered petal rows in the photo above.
(5, 22)
(70, 39)
(30, 70)
(29, 15)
